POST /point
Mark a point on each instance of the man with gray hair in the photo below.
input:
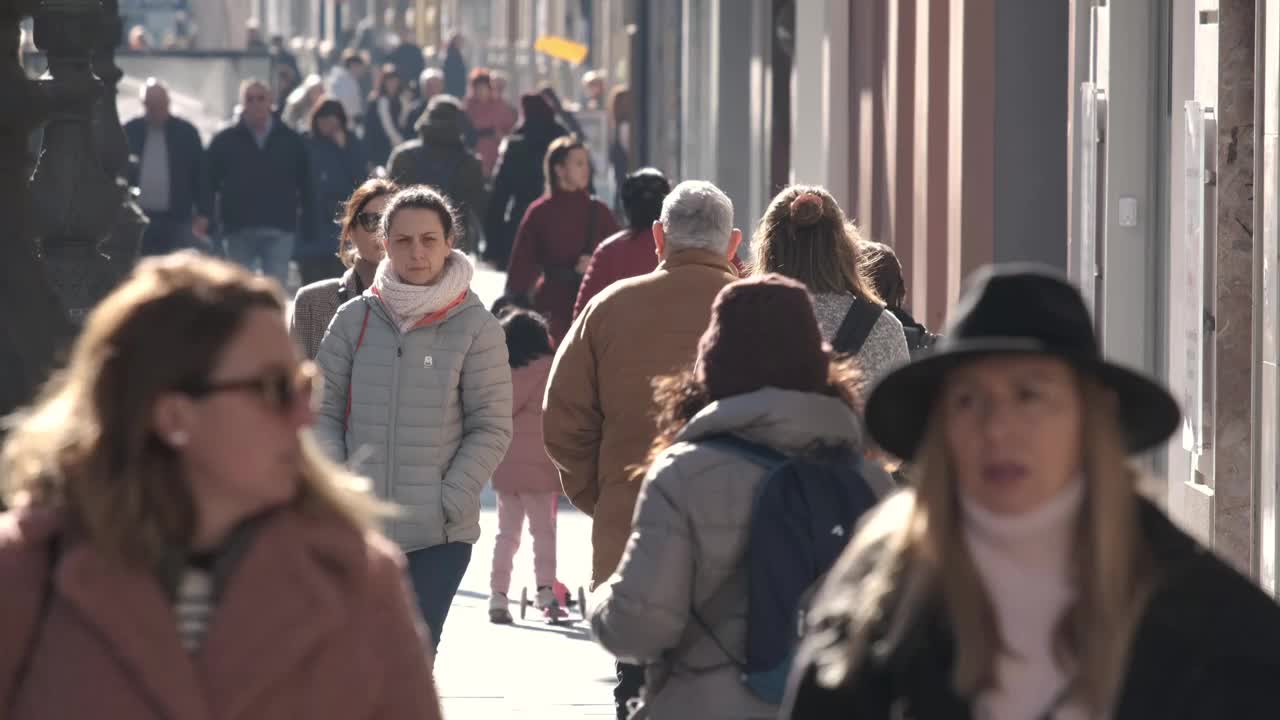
(598, 416)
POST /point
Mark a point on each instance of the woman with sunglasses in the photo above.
(417, 393)
(1022, 576)
(177, 546)
(359, 250)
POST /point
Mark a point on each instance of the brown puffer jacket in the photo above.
(598, 416)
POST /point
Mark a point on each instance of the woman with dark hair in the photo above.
(631, 251)
(518, 177)
(559, 233)
(805, 236)
(417, 393)
(358, 250)
(177, 546)
(386, 121)
(885, 272)
(526, 482)
(338, 166)
(678, 603)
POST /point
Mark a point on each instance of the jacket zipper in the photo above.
(391, 420)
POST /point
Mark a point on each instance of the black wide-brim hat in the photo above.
(1018, 309)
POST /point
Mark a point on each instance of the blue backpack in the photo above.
(803, 516)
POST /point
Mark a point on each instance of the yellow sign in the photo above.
(562, 48)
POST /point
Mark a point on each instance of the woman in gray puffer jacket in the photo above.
(763, 375)
(417, 394)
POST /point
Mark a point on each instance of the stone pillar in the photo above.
(1233, 431)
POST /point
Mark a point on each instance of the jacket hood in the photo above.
(785, 420)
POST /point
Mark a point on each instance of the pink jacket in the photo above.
(317, 622)
(492, 116)
(526, 468)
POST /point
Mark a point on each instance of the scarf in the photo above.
(409, 304)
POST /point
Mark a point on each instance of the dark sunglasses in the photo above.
(279, 390)
(369, 220)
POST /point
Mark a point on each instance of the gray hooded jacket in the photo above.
(429, 413)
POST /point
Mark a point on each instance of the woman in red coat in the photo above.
(558, 235)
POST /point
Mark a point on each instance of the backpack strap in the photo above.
(857, 326)
(346, 418)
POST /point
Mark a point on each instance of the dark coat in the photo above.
(335, 173)
(260, 187)
(186, 162)
(1207, 647)
(377, 141)
(438, 158)
(517, 182)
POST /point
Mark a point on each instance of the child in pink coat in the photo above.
(526, 482)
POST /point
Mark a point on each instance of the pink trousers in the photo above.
(540, 508)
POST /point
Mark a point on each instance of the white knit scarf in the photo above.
(408, 304)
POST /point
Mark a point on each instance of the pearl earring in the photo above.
(178, 438)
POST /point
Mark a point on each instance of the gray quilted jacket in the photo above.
(430, 413)
(688, 550)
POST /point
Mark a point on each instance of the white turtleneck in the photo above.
(1024, 561)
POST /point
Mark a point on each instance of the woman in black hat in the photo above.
(1022, 575)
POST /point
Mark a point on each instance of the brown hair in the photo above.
(884, 270)
(557, 155)
(919, 561)
(680, 397)
(87, 447)
(805, 236)
(480, 76)
(620, 105)
(326, 106)
(369, 191)
(421, 197)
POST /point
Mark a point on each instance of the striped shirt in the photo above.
(194, 606)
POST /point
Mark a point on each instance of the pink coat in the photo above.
(526, 468)
(493, 115)
(317, 622)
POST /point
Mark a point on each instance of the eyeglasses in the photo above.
(279, 390)
(369, 220)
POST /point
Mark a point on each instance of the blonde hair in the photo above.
(86, 446)
(923, 561)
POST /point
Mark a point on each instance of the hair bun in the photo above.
(807, 209)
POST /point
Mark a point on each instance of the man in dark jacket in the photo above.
(168, 172)
(439, 158)
(260, 183)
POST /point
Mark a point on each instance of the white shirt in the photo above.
(153, 180)
(342, 85)
(1024, 561)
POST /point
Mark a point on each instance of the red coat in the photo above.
(312, 607)
(551, 237)
(627, 254)
(526, 468)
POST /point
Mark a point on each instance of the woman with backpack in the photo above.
(805, 236)
(558, 235)
(762, 385)
(177, 547)
(1023, 575)
(417, 393)
(885, 272)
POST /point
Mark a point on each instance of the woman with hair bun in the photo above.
(804, 235)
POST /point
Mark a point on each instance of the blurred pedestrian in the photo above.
(489, 116)
(620, 112)
(138, 39)
(177, 546)
(385, 125)
(430, 84)
(407, 59)
(598, 418)
(764, 397)
(804, 235)
(253, 40)
(885, 272)
(526, 482)
(300, 103)
(558, 235)
(359, 251)
(280, 54)
(343, 83)
(438, 158)
(417, 393)
(631, 251)
(169, 173)
(594, 90)
(518, 177)
(1023, 574)
(260, 181)
(338, 166)
(455, 67)
(498, 80)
